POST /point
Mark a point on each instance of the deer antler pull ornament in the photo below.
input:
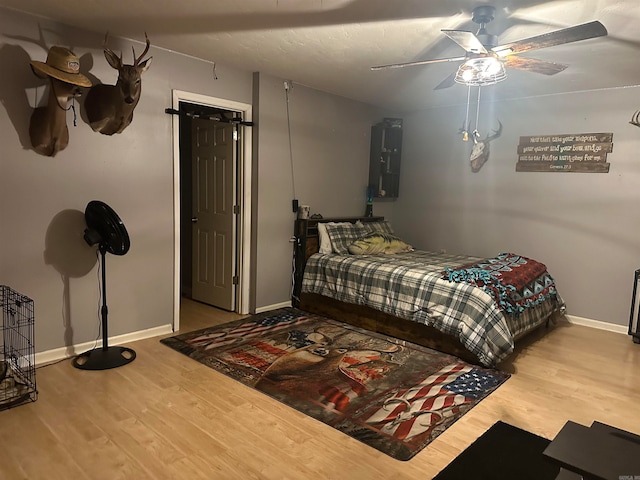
(110, 107)
(480, 151)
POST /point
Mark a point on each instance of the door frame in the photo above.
(243, 235)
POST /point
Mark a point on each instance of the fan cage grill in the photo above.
(480, 72)
(17, 351)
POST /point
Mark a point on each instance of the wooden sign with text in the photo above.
(582, 152)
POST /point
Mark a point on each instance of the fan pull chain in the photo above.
(465, 126)
(476, 134)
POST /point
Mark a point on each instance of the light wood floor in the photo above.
(166, 416)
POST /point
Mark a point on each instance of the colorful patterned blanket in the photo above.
(514, 281)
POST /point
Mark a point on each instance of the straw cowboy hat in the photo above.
(63, 65)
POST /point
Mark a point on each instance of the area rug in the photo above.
(393, 396)
(503, 452)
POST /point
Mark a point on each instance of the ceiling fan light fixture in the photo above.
(478, 72)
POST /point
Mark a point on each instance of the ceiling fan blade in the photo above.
(559, 37)
(466, 40)
(533, 65)
(419, 62)
(447, 82)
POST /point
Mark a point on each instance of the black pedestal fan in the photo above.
(105, 229)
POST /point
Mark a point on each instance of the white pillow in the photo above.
(325, 241)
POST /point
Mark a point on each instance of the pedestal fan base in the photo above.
(103, 359)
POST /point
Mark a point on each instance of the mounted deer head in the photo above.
(48, 125)
(480, 151)
(110, 108)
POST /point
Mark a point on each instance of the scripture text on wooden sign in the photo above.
(581, 152)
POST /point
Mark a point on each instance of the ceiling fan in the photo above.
(485, 45)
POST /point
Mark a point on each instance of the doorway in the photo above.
(208, 195)
(212, 262)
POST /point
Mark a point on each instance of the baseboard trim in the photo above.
(70, 351)
(273, 307)
(587, 322)
(73, 350)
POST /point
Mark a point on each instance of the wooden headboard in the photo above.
(308, 243)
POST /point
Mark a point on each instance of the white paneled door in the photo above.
(213, 219)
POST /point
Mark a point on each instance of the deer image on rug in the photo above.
(110, 108)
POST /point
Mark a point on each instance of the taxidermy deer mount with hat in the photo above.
(110, 108)
(48, 125)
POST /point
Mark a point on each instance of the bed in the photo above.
(471, 307)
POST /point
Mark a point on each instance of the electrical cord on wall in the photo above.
(289, 86)
(95, 343)
(296, 251)
(293, 276)
(98, 272)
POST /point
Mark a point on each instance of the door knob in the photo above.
(194, 219)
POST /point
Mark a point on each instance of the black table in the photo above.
(599, 452)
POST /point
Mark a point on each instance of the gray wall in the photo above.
(42, 199)
(584, 226)
(330, 139)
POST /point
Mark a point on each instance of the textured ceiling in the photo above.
(330, 44)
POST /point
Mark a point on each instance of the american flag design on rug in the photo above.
(215, 338)
(414, 411)
(257, 355)
(394, 397)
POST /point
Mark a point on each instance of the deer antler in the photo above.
(110, 108)
(138, 59)
(496, 133)
(635, 119)
(107, 50)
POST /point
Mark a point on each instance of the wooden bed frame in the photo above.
(308, 243)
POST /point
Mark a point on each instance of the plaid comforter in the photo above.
(411, 286)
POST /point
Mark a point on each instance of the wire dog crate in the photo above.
(17, 352)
